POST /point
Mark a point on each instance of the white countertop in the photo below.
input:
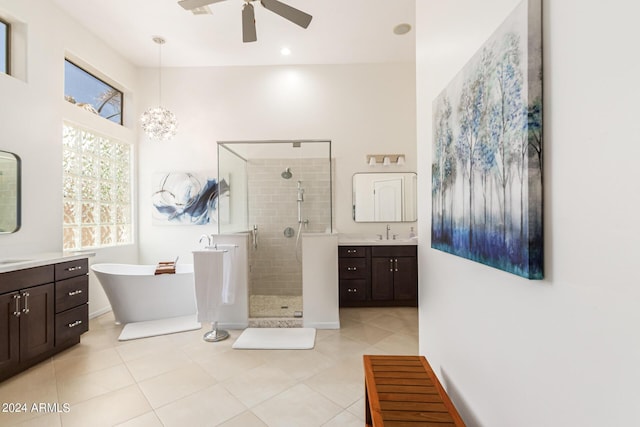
(36, 260)
(355, 240)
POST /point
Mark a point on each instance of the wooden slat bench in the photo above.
(403, 391)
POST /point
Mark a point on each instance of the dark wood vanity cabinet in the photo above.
(354, 264)
(72, 297)
(394, 275)
(373, 276)
(26, 325)
(30, 318)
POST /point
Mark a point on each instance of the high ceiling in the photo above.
(342, 31)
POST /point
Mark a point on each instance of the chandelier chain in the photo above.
(159, 123)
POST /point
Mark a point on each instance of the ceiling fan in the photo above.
(248, 17)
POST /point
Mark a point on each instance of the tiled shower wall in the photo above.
(275, 267)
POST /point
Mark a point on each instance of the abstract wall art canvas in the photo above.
(487, 151)
(185, 198)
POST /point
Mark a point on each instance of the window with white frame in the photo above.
(4, 47)
(96, 190)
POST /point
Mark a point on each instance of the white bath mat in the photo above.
(276, 339)
(151, 328)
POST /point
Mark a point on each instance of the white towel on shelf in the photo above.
(208, 266)
(228, 277)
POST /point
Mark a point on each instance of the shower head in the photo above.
(286, 174)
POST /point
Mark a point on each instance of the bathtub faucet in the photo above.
(205, 236)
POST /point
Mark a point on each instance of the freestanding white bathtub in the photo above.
(136, 294)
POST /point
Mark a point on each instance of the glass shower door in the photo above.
(287, 192)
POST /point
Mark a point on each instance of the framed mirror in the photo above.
(385, 197)
(9, 192)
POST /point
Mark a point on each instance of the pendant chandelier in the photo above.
(159, 123)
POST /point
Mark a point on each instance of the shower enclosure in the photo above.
(276, 191)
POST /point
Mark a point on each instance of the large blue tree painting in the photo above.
(487, 152)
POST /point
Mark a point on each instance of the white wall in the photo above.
(363, 109)
(32, 109)
(565, 350)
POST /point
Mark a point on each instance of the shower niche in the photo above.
(277, 192)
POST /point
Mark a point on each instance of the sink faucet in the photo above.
(205, 236)
(388, 229)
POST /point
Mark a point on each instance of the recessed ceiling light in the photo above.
(401, 29)
(285, 51)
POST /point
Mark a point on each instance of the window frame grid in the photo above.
(76, 173)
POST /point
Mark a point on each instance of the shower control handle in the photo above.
(254, 236)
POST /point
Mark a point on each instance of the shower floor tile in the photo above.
(276, 306)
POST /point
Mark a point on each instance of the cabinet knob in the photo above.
(77, 267)
(76, 292)
(351, 291)
(352, 268)
(351, 251)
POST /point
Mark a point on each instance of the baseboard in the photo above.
(99, 312)
(322, 325)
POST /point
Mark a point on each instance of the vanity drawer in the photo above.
(353, 290)
(352, 251)
(74, 268)
(353, 268)
(72, 323)
(400, 250)
(72, 292)
(19, 279)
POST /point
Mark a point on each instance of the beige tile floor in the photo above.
(181, 380)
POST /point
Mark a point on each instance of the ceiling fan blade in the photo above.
(248, 24)
(194, 4)
(291, 13)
